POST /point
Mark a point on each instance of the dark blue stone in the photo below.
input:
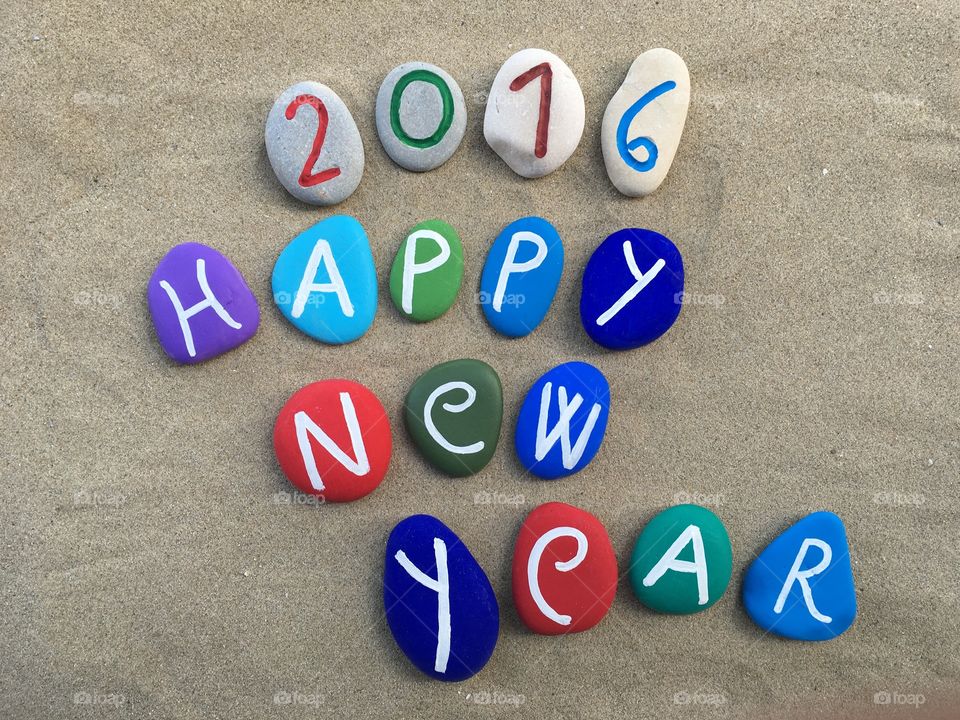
(576, 380)
(831, 592)
(609, 279)
(413, 609)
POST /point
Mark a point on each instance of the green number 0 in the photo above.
(445, 121)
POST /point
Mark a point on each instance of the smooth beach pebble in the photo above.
(563, 420)
(801, 586)
(325, 282)
(453, 413)
(200, 304)
(427, 271)
(564, 570)
(421, 116)
(314, 145)
(439, 604)
(632, 289)
(535, 113)
(332, 440)
(644, 120)
(682, 561)
(521, 276)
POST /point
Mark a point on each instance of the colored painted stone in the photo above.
(521, 276)
(535, 113)
(632, 289)
(563, 420)
(682, 561)
(332, 440)
(564, 570)
(200, 304)
(325, 282)
(439, 604)
(421, 116)
(453, 413)
(313, 144)
(427, 271)
(644, 120)
(801, 585)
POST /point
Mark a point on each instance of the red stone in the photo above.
(584, 592)
(326, 410)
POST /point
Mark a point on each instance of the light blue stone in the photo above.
(440, 606)
(325, 282)
(801, 586)
(550, 447)
(521, 275)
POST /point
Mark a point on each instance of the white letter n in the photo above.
(305, 425)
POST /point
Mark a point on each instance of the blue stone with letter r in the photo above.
(521, 276)
(439, 604)
(801, 586)
(632, 289)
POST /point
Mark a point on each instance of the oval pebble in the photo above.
(632, 289)
(453, 413)
(564, 570)
(439, 604)
(421, 116)
(682, 561)
(521, 275)
(325, 282)
(551, 445)
(644, 120)
(313, 144)
(332, 440)
(801, 586)
(200, 304)
(535, 113)
(427, 271)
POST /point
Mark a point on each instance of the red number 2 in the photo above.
(307, 177)
(545, 73)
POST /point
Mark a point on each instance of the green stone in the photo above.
(424, 282)
(662, 569)
(453, 413)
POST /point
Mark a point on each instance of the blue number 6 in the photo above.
(625, 148)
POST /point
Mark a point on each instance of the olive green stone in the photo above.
(453, 413)
(427, 271)
(682, 561)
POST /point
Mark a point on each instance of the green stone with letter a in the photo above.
(427, 271)
(682, 561)
(453, 413)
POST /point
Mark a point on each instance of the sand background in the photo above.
(146, 552)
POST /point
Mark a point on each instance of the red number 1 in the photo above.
(545, 73)
(307, 177)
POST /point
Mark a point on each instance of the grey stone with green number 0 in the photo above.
(421, 116)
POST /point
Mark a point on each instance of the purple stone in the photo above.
(200, 303)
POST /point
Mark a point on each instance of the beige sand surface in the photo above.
(144, 556)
